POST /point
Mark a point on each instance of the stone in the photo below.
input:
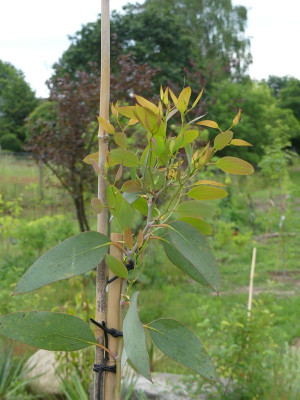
(41, 366)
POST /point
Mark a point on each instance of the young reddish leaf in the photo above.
(237, 118)
(161, 92)
(183, 99)
(95, 166)
(140, 239)
(205, 157)
(208, 123)
(116, 266)
(208, 182)
(114, 110)
(106, 126)
(119, 173)
(198, 98)
(88, 159)
(222, 139)
(120, 139)
(207, 193)
(133, 122)
(146, 103)
(165, 98)
(174, 98)
(240, 142)
(160, 108)
(128, 238)
(97, 205)
(131, 187)
(234, 165)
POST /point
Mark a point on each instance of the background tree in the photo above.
(263, 119)
(63, 131)
(206, 35)
(17, 100)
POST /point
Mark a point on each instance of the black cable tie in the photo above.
(103, 367)
(112, 331)
(129, 266)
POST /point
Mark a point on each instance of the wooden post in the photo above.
(113, 319)
(251, 281)
(102, 218)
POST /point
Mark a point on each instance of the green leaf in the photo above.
(222, 140)
(125, 213)
(127, 111)
(183, 99)
(179, 342)
(208, 123)
(135, 339)
(209, 182)
(116, 266)
(237, 118)
(234, 165)
(146, 103)
(74, 256)
(202, 192)
(196, 209)
(198, 98)
(47, 330)
(185, 139)
(192, 246)
(199, 224)
(140, 204)
(125, 157)
(183, 263)
(120, 139)
(240, 142)
(89, 159)
(106, 126)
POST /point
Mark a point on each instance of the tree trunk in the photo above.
(80, 213)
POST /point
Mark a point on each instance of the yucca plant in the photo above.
(12, 376)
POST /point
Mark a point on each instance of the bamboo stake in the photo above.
(102, 218)
(113, 319)
(251, 281)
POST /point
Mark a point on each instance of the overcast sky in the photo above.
(34, 34)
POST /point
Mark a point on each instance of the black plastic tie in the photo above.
(111, 331)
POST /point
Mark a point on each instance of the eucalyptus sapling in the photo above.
(165, 192)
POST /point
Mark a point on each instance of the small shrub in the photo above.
(9, 141)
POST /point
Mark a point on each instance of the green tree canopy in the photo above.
(262, 117)
(287, 90)
(17, 100)
(171, 35)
